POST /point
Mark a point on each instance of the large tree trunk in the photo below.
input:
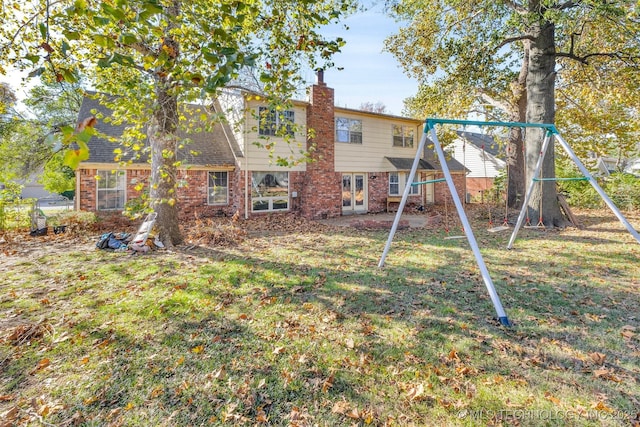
(543, 205)
(516, 186)
(164, 144)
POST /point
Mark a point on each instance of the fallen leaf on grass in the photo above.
(551, 398)
(197, 349)
(219, 374)
(453, 355)
(416, 392)
(600, 406)
(628, 332)
(598, 357)
(327, 384)
(7, 397)
(42, 364)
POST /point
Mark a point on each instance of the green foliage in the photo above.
(11, 191)
(137, 207)
(623, 189)
(46, 127)
(58, 178)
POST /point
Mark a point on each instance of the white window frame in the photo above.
(120, 189)
(403, 136)
(214, 188)
(348, 131)
(260, 191)
(401, 182)
(271, 121)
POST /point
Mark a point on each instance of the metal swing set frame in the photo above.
(551, 132)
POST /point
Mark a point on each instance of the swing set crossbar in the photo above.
(578, 178)
(431, 181)
(431, 122)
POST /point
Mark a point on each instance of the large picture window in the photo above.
(218, 189)
(348, 130)
(397, 183)
(111, 190)
(269, 191)
(275, 123)
(402, 136)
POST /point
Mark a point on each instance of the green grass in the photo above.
(305, 329)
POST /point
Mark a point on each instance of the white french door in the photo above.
(354, 192)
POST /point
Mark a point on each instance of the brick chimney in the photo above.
(321, 195)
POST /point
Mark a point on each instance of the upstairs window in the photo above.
(402, 136)
(275, 123)
(348, 130)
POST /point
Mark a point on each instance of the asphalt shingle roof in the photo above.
(207, 148)
(487, 142)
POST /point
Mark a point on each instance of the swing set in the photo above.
(550, 133)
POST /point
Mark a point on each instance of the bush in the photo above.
(623, 190)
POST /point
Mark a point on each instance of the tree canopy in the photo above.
(504, 58)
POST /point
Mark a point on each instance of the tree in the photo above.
(503, 55)
(377, 107)
(7, 102)
(153, 56)
(35, 138)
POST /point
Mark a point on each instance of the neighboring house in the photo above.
(480, 154)
(32, 189)
(608, 165)
(361, 162)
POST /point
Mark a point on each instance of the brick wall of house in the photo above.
(441, 190)
(378, 183)
(87, 189)
(480, 189)
(192, 196)
(321, 192)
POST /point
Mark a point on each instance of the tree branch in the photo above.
(514, 39)
(585, 59)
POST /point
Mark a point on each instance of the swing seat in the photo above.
(535, 227)
(455, 237)
(498, 228)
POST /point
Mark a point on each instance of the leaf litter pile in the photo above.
(281, 321)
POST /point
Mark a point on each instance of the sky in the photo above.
(368, 74)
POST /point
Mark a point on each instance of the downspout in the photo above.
(246, 171)
(76, 199)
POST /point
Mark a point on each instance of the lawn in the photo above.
(297, 326)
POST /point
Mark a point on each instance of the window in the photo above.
(397, 183)
(402, 136)
(218, 191)
(275, 123)
(111, 190)
(348, 130)
(269, 191)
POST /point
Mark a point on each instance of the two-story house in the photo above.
(361, 161)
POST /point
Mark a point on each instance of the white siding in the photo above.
(377, 143)
(472, 158)
(257, 158)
